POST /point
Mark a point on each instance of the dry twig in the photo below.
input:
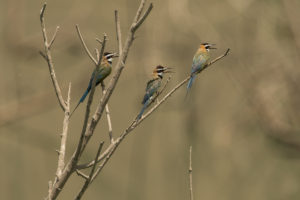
(62, 150)
(47, 56)
(118, 32)
(108, 117)
(85, 46)
(88, 179)
(191, 176)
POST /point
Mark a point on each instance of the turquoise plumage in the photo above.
(200, 59)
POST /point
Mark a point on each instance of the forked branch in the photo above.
(47, 56)
(89, 127)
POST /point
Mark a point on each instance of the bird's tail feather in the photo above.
(142, 111)
(189, 85)
(84, 95)
(81, 100)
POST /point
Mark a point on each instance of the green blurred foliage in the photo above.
(242, 117)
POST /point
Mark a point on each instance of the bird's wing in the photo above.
(151, 88)
(198, 62)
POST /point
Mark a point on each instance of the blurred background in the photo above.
(242, 117)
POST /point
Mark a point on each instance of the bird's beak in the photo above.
(168, 70)
(115, 55)
(211, 46)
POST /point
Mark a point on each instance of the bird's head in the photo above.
(159, 71)
(108, 56)
(205, 47)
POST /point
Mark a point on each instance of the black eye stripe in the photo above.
(160, 70)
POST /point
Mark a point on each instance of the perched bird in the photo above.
(153, 86)
(104, 71)
(200, 59)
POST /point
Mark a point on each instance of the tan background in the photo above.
(242, 117)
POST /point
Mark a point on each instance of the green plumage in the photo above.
(104, 71)
(152, 87)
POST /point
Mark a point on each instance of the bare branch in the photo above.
(107, 151)
(62, 151)
(191, 176)
(99, 41)
(97, 54)
(49, 188)
(118, 31)
(79, 173)
(96, 157)
(53, 37)
(215, 60)
(87, 131)
(84, 45)
(89, 179)
(107, 116)
(142, 19)
(42, 12)
(48, 58)
(103, 164)
(43, 55)
(139, 11)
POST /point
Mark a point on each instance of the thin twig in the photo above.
(62, 151)
(108, 116)
(97, 53)
(83, 175)
(110, 149)
(142, 19)
(49, 188)
(43, 55)
(100, 168)
(191, 176)
(89, 179)
(48, 58)
(139, 11)
(99, 41)
(53, 37)
(84, 45)
(118, 32)
(96, 157)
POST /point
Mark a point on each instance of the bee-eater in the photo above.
(104, 71)
(153, 86)
(200, 59)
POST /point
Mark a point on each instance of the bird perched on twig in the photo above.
(153, 86)
(104, 71)
(200, 59)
